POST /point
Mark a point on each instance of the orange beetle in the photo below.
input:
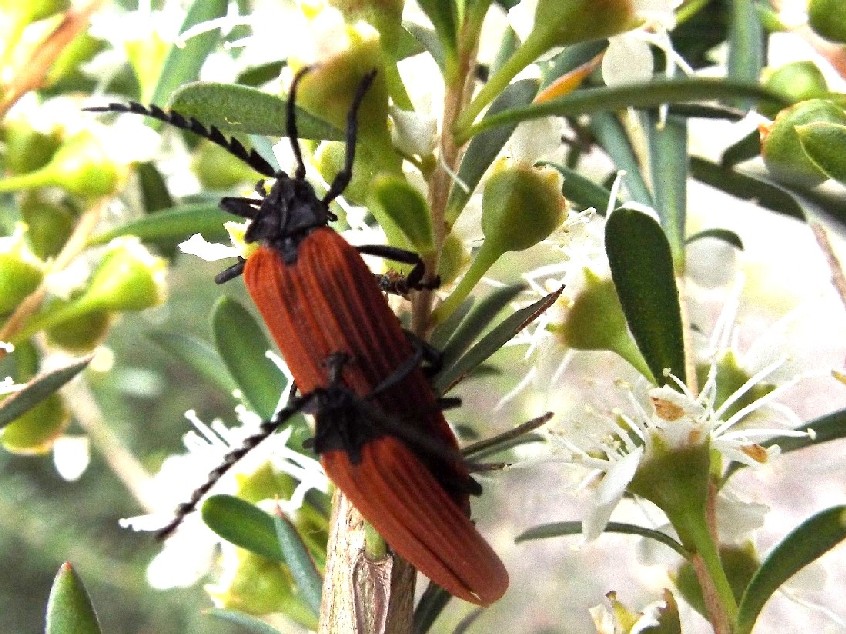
(380, 432)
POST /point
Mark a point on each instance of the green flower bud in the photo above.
(265, 483)
(50, 225)
(730, 378)
(403, 213)
(327, 91)
(827, 19)
(218, 169)
(384, 15)
(82, 333)
(128, 277)
(35, 431)
(595, 321)
(329, 158)
(823, 143)
(521, 205)
(453, 260)
(797, 81)
(27, 149)
(20, 270)
(81, 166)
(782, 149)
(258, 586)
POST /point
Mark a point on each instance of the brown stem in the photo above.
(713, 608)
(32, 75)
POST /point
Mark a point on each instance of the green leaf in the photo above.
(238, 109)
(243, 524)
(306, 576)
(246, 621)
(642, 270)
(444, 330)
(809, 541)
(402, 212)
(196, 354)
(442, 14)
(484, 148)
(746, 44)
(823, 429)
(183, 63)
(639, 95)
(242, 345)
(565, 529)
(172, 225)
(479, 317)
(428, 39)
(429, 608)
(668, 158)
(720, 234)
(154, 193)
(746, 187)
(36, 390)
(582, 191)
(493, 341)
(747, 148)
(614, 139)
(69, 609)
(825, 144)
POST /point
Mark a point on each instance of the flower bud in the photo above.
(81, 166)
(50, 225)
(521, 205)
(384, 15)
(402, 213)
(827, 19)
(20, 270)
(35, 431)
(595, 321)
(329, 160)
(218, 169)
(782, 149)
(454, 257)
(27, 149)
(823, 142)
(797, 81)
(82, 333)
(255, 585)
(128, 277)
(730, 378)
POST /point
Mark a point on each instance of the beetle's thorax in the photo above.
(287, 214)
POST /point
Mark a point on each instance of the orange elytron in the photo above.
(380, 432)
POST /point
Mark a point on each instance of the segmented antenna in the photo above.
(230, 144)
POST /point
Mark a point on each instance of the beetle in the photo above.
(379, 428)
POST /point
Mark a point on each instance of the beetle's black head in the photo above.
(286, 214)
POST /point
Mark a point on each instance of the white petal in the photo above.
(628, 59)
(208, 251)
(71, 456)
(609, 494)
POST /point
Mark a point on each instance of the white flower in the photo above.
(187, 555)
(607, 619)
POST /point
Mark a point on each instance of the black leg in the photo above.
(394, 284)
(230, 273)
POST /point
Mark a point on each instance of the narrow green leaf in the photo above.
(442, 14)
(242, 345)
(565, 529)
(746, 187)
(582, 191)
(746, 44)
(37, 390)
(69, 609)
(825, 145)
(805, 544)
(196, 354)
(612, 136)
(238, 109)
(444, 330)
(823, 429)
(720, 234)
(246, 621)
(642, 270)
(484, 148)
(172, 225)
(183, 63)
(402, 212)
(154, 193)
(569, 59)
(492, 342)
(478, 318)
(243, 524)
(668, 158)
(306, 576)
(640, 95)
(747, 148)
(706, 111)
(429, 608)
(428, 39)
